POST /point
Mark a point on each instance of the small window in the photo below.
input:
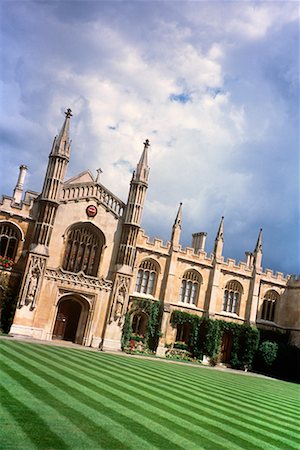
(232, 297)
(190, 287)
(183, 332)
(139, 323)
(146, 277)
(9, 240)
(269, 305)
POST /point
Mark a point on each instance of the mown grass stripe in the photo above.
(148, 433)
(186, 431)
(35, 428)
(234, 419)
(231, 388)
(235, 438)
(84, 366)
(251, 388)
(93, 431)
(237, 407)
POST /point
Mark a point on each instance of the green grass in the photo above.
(58, 398)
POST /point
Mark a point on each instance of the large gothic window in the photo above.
(232, 297)
(9, 239)
(190, 287)
(83, 249)
(146, 278)
(269, 305)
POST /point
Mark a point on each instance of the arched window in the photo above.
(232, 296)
(269, 305)
(190, 287)
(139, 323)
(83, 249)
(9, 239)
(146, 277)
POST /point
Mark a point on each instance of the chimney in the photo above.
(18, 191)
(198, 242)
(249, 259)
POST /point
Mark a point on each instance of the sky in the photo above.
(213, 85)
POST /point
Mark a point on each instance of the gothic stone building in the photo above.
(80, 258)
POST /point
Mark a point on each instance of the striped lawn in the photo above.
(58, 398)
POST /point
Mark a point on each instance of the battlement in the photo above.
(155, 244)
(23, 209)
(270, 275)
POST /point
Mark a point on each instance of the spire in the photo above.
(258, 251)
(61, 144)
(178, 219)
(220, 234)
(176, 229)
(258, 247)
(142, 169)
(219, 241)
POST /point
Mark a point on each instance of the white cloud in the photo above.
(210, 151)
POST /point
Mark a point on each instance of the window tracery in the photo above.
(190, 287)
(269, 305)
(232, 296)
(146, 277)
(83, 250)
(9, 240)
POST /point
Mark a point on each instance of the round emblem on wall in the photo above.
(91, 210)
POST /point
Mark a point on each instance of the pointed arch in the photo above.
(147, 276)
(232, 296)
(269, 305)
(190, 287)
(83, 248)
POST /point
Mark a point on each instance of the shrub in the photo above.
(268, 352)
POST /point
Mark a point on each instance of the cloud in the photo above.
(213, 85)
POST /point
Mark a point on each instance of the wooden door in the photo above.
(60, 326)
(226, 347)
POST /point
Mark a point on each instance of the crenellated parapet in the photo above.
(91, 190)
(9, 207)
(268, 275)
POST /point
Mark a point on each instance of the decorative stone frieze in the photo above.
(78, 279)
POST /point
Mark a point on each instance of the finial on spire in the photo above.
(68, 113)
(99, 171)
(146, 143)
(220, 234)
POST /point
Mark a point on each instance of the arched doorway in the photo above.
(70, 320)
(139, 323)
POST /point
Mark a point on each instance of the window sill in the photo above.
(146, 296)
(186, 305)
(228, 314)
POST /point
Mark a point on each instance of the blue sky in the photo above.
(213, 85)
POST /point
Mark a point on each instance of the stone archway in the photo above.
(71, 319)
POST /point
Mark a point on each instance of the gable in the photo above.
(83, 177)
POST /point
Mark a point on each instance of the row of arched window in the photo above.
(84, 244)
(190, 288)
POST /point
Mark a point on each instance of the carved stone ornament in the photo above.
(120, 298)
(80, 280)
(32, 285)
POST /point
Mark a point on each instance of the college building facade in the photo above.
(77, 257)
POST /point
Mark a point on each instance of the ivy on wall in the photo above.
(154, 311)
(206, 336)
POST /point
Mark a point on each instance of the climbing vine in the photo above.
(206, 336)
(153, 309)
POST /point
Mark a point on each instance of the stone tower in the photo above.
(47, 206)
(127, 250)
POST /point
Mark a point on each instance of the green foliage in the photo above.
(206, 335)
(126, 332)
(268, 352)
(8, 301)
(154, 311)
